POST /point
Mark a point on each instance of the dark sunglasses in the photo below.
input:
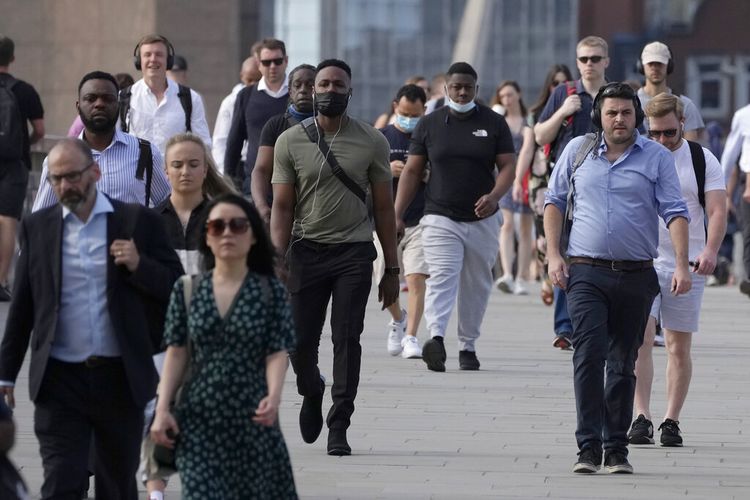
(593, 59)
(236, 225)
(671, 132)
(267, 62)
(71, 177)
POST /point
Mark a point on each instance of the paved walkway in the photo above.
(507, 430)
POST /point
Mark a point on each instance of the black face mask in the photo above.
(331, 103)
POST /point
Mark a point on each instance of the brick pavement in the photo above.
(507, 430)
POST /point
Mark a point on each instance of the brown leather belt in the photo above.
(615, 265)
(97, 361)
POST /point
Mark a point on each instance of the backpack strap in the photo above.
(145, 164)
(124, 99)
(570, 88)
(186, 99)
(699, 166)
(311, 129)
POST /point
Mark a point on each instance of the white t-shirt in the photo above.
(714, 182)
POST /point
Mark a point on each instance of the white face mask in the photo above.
(459, 108)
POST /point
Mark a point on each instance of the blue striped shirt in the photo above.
(617, 205)
(118, 164)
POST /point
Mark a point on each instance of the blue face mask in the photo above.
(460, 108)
(406, 123)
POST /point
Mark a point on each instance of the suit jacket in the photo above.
(136, 301)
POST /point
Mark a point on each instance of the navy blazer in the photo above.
(136, 301)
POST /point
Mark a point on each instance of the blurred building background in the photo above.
(385, 41)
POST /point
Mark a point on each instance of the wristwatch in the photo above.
(392, 270)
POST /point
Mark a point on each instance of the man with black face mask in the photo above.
(319, 223)
(301, 81)
(116, 152)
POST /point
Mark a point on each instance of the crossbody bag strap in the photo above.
(312, 132)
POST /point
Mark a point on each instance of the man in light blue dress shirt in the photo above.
(92, 284)
(620, 190)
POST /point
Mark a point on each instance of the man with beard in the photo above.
(91, 275)
(116, 152)
(301, 81)
(322, 169)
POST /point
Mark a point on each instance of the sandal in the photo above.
(547, 293)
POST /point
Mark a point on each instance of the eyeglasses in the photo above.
(71, 177)
(593, 59)
(236, 225)
(267, 62)
(670, 132)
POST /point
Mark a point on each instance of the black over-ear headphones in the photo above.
(670, 65)
(618, 90)
(156, 39)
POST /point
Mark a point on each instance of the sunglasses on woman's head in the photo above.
(236, 225)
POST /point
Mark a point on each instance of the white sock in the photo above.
(156, 495)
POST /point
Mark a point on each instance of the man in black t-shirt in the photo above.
(301, 81)
(464, 143)
(409, 107)
(14, 174)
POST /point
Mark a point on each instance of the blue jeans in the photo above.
(609, 310)
(562, 318)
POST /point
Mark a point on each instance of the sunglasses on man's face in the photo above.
(655, 134)
(593, 59)
(236, 225)
(267, 62)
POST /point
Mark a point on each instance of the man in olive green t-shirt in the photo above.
(321, 228)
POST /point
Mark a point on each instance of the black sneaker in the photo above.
(616, 462)
(467, 360)
(4, 293)
(433, 353)
(745, 287)
(337, 444)
(311, 416)
(588, 462)
(642, 431)
(670, 433)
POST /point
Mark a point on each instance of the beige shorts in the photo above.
(410, 254)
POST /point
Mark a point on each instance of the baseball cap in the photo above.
(655, 52)
(180, 63)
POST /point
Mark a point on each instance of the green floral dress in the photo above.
(221, 453)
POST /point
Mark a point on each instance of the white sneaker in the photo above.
(396, 332)
(411, 348)
(520, 288)
(659, 340)
(505, 283)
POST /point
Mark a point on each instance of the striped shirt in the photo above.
(118, 164)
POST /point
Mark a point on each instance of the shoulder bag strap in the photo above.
(145, 164)
(186, 99)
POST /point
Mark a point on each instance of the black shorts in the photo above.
(14, 177)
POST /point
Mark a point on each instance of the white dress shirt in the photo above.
(262, 85)
(737, 147)
(158, 121)
(222, 126)
(118, 164)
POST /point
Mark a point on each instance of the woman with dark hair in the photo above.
(557, 74)
(237, 328)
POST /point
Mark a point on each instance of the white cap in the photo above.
(655, 52)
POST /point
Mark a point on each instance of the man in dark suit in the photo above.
(92, 283)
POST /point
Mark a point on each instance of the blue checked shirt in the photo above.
(617, 204)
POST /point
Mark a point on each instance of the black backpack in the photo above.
(186, 100)
(11, 121)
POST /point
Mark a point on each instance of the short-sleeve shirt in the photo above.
(581, 119)
(697, 232)
(31, 109)
(399, 142)
(462, 153)
(693, 119)
(274, 127)
(326, 210)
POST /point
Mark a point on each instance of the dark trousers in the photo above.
(609, 310)
(745, 221)
(317, 274)
(73, 401)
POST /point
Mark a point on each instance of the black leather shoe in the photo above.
(311, 416)
(467, 360)
(337, 443)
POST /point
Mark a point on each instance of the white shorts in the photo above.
(680, 313)
(410, 254)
